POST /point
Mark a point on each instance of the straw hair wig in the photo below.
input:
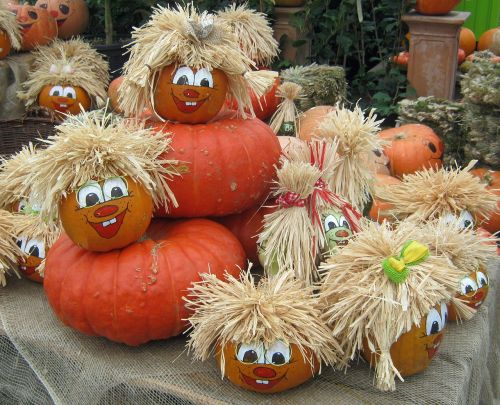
(243, 311)
(9, 251)
(9, 24)
(363, 299)
(432, 193)
(94, 147)
(179, 37)
(72, 62)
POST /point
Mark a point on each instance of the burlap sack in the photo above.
(13, 72)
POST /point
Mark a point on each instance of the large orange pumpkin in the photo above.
(435, 7)
(5, 45)
(473, 291)
(467, 40)
(105, 215)
(266, 369)
(190, 96)
(64, 99)
(134, 295)
(412, 147)
(38, 27)
(227, 166)
(381, 210)
(113, 94)
(486, 39)
(309, 121)
(72, 16)
(491, 179)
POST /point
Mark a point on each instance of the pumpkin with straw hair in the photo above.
(66, 76)
(267, 335)
(10, 32)
(101, 177)
(385, 293)
(9, 250)
(182, 63)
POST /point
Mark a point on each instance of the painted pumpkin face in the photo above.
(64, 99)
(38, 27)
(273, 369)
(465, 219)
(72, 16)
(474, 288)
(5, 44)
(35, 254)
(188, 95)
(414, 350)
(106, 215)
(337, 227)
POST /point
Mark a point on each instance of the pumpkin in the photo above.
(106, 215)
(492, 180)
(113, 94)
(310, 120)
(227, 166)
(414, 350)
(460, 56)
(402, 58)
(72, 16)
(473, 291)
(412, 147)
(5, 45)
(276, 368)
(35, 253)
(486, 39)
(190, 96)
(377, 162)
(467, 40)
(38, 27)
(64, 99)
(435, 7)
(380, 210)
(134, 295)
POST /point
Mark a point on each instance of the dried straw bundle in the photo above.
(432, 193)
(9, 251)
(9, 25)
(90, 147)
(361, 302)
(241, 311)
(253, 31)
(287, 112)
(357, 137)
(73, 62)
(182, 36)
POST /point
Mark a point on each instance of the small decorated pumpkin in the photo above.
(10, 33)
(72, 16)
(9, 250)
(38, 27)
(134, 295)
(435, 7)
(279, 351)
(473, 291)
(64, 98)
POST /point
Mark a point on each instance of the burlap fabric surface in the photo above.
(13, 72)
(44, 362)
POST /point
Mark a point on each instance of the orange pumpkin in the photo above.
(412, 147)
(309, 121)
(38, 27)
(435, 7)
(380, 210)
(64, 98)
(266, 369)
(473, 291)
(467, 40)
(105, 215)
(492, 180)
(414, 350)
(5, 45)
(113, 94)
(35, 254)
(486, 39)
(191, 96)
(72, 16)
(377, 162)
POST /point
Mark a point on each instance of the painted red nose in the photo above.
(264, 372)
(105, 211)
(54, 13)
(341, 234)
(191, 93)
(479, 296)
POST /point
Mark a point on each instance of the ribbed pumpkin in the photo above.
(38, 27)
(492, 180)
(310, 120)
(486, 39)
(467, 40)
(380, 210)
(227, 166)
(134, 295)
(435, 7)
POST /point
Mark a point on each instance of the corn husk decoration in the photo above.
(72, 62)
(357, 138)
(432, 193)
(367, 295)
(182, 36)
(94, 146)
(253, 31)
(9, 251)
(284, 120)
(9, 25)
(245, 311)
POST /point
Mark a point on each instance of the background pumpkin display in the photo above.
(72, 16)
(10, 33)
(486, 39)
(309, 121)
(38, 27)
(435, 7)
(467, 40)
(491, 179)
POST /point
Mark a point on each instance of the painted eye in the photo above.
(33, 15)
(434, 323)
(343, 222)
(444, 313)
(69, 92)
(249, 353)
(466, 220)
(482, 279)
(278, 353)
(89, 195)
(115, 188)
(183, 75)
(43, 5)
(23, 204)
(330, 223)
(21, 243)
(432, 147)
(468, 286)
(36, 248)
(56, 91)
(203, 78)
(63, 8)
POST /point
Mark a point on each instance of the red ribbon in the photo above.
(291, 199)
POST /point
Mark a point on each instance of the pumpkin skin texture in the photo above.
(377, 162)
(177, 86)
(64, 99)
(310, 120)
(227, 166)
(38, 27)
(134, 295)
(412, 147)
(414, 350)
(467, 40)
(113, 94)
(5, 45)
(491, 179)
(380, 210)
(294, 371)
(486, 39)
(72, 16)
(435, 7)
(473, 291)
(86, 214)
(35, 251)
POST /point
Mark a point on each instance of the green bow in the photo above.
(397, 268)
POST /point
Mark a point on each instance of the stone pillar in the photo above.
(298, 55)
(432, 66)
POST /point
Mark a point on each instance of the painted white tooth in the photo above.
(265, 382)
(105, 223)
(193, 103)
(112, 220)
(63, 105)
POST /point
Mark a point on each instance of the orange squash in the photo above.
(380, 210)
(38, 27)
(492, 180)
(486, 39)
(5, 45)
(113, 94)
(435, 7)
(467, 40)
(64, 98)
(72, 16)
(309, 121)
(473, 291)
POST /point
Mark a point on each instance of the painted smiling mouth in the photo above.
(433, 348)
(473, 304)
(188, 107)
(109, 228)
(60, 107)
(260, 384)
(25, 28)
(61, 21)
(342, 242)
